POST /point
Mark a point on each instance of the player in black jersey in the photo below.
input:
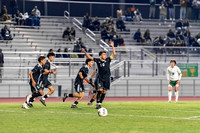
(103, 79)
(48, 70)
(36, 83)
(78, 84)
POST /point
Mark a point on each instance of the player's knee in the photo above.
(100, 90)
(82, 95)
(52, 89)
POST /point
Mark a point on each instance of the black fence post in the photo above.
(142, 57)
(124, 68)
(156, 65)
(59, 90)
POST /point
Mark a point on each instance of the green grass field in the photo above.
(124, 117)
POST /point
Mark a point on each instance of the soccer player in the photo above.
(78, 84)
(173, 76)
(93, 91)
(47, 71)
(36, 83)
(103, 79)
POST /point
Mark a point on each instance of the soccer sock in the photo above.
(98, 96)
(176, 95)
(75, 103)
(92, 100)
(70, 95)
(170, 95)
(34, 95)
(102, 97)
(45, 96)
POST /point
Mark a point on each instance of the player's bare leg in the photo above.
(80, 96)
(170, 94)
(51, 91)
(93, 99)
(176, 93)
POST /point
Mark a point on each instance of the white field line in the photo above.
(116, 115)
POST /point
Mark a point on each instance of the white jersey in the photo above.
(174, 74)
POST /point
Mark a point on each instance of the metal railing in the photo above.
(148, 87)
(92, 7)
(66, 14)
(90, 34)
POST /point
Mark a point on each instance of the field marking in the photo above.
(193, 117)
(116, 115)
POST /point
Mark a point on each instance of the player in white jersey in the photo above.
(173, 76)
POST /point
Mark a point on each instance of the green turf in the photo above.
(124, 117)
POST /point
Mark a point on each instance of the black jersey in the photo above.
(37, 73)
(48, 67)
(84, 71)
(103, 68)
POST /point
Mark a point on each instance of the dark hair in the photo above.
(50, 54)
(173, 61)
(100, 53)
(87, 60)
(41, 58)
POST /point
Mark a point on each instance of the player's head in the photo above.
(51, 56)
(172, 63)
(102, 55)
(42, 60)
(89, 62)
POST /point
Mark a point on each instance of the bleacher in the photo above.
(29, 42)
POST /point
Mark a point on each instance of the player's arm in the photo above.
(33, 81)
(114, 52)
(46, 71)
(93, 74)
(81, 76)
(88, 55)
(168, 76)
(89, 82)
(180, 75)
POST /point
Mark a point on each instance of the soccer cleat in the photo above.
(98, 106)
(24, 106)
(175, 101)
(74, 106)
(169, 101)
(89, 103)
(29, 104)
(43, 102)
(65, 96)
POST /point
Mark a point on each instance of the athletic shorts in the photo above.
(79, 87)
(47, 83)
(36, 88)
(173, 83)
(105, 84)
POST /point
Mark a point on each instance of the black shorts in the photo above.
(79, 87)
(102, 84)
(47, 83)
(36, 88)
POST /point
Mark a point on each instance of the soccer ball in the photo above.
(102, 112)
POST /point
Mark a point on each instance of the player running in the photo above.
(47, 70)
(36, 83)
(78, 84)
(103, 79)
(173, 76)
